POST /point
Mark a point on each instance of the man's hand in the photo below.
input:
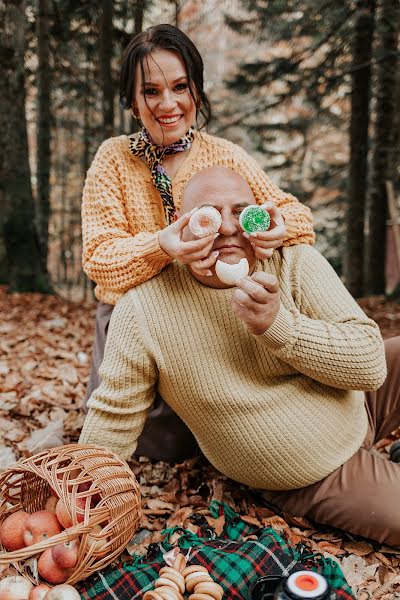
(265, 242)
(256, 301)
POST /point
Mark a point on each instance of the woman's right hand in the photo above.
(195, 253)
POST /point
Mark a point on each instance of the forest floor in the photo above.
(45, 346)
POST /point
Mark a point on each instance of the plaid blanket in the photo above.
(232, 560)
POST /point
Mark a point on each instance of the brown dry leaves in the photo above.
(45, 347)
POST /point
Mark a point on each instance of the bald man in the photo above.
(266, 374)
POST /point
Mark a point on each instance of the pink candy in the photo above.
(204, 221)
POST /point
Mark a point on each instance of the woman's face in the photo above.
(165, 105)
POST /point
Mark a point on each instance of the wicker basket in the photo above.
(28, 484)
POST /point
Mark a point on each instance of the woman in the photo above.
(135, 184)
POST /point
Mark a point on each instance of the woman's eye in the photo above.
(150, 92)
(181, 87)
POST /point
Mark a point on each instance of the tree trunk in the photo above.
(43, 131)
(25, 273)
(138, 15)
(106, 45)
(359, 123)
(387, 26)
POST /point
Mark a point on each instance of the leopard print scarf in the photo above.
(154, 155)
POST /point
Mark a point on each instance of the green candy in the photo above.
(254, 218)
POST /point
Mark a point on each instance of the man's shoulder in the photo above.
(167, 281)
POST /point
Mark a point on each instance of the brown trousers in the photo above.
(165, 436)
(363, 495)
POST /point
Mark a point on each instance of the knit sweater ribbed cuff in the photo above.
(281, 330)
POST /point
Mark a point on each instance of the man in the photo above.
(267, 375)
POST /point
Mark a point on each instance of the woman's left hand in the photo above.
(265, 242)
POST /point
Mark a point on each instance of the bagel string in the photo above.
(200, 584)
(174, 580)
(170, 584)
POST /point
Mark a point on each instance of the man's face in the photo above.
(229, 194)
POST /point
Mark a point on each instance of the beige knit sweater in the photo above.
(276, 411)
(122, 210)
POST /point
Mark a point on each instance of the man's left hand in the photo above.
(256, 301)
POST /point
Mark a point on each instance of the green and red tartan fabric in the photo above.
(232, 561)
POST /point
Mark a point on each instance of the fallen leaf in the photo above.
(358, 548)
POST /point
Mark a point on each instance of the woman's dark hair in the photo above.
(164, 37)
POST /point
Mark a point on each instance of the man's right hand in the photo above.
(196, 253)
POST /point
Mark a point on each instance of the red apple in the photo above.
(63, 515)
(80, 503)
(50, 570)
(63, 592)
(39, 591)
(15, 587)
(51, 503)
(11, 531)
(99, 543)
(66, 554)
(95, 498)
(40, 526)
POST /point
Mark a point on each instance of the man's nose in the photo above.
(168, 100)
(229, 225)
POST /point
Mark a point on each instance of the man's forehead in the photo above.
(240, 203)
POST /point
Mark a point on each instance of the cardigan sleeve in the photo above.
(112, 256)
(118, 407)
(297, 216)
(328, 337)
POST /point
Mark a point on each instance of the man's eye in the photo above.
(238, 212)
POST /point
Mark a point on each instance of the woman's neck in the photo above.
(173, 162)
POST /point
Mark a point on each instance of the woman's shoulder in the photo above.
(119, 143)
(113, 153)
(212, 143)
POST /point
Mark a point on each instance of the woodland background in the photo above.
(309, 88)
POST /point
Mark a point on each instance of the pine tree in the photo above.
(383, 151)
(21, 242)
(358, 135)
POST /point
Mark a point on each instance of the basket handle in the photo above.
(65, 536)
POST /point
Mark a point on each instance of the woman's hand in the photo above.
(196, 253)
(265, 242)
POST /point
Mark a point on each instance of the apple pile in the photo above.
(56, 564)
(16, 587)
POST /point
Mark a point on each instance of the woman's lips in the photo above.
(169, 122)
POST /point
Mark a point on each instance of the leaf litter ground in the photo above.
(45, 348)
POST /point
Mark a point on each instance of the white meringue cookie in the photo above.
(230, 274)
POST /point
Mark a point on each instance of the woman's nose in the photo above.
(168, 101)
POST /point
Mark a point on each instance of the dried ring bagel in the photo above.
(152, 595)
(166, 581)
(211, 588)
(167, 596)
(169, 593)
(172, 575)
(197, 596)
(179, 562)
(192, 569)
(195, 579)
